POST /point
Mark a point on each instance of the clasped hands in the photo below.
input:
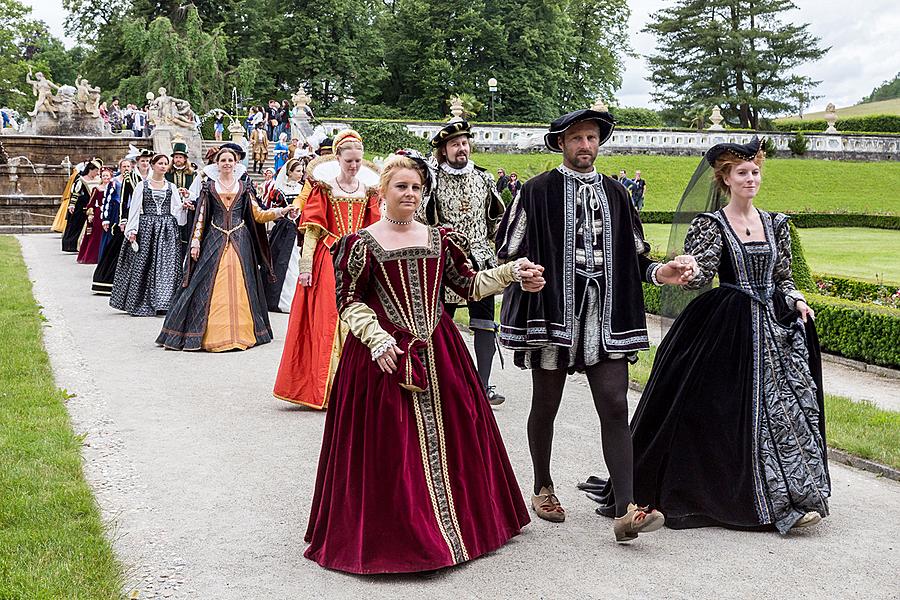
(678, 271)
(531, 276)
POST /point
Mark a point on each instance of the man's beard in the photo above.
(458, 164)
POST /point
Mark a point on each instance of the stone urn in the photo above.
(716, 119)
(831, 118)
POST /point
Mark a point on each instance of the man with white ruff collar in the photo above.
(465, 198)
(589, 318)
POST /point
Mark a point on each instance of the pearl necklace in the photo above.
(395, 221)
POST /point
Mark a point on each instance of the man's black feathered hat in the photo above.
(604, 120)
(746, 151)
(451, 130)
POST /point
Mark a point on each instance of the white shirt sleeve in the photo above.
(194, 190)
(176, 205)
(134, 211)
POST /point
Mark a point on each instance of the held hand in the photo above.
(71, 210)
(195, 251)
(679, 271)
(187, 205)
(132, 236)
(388, 361)
(805, 311)
(90, 218)
(105, 225)
(292, 213)
(305, 279)
(184, 192)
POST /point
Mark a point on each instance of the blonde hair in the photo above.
(349, 139)
(394, 163)
(726, 162)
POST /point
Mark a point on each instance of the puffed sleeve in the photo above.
(201, 216)
(511, 239)
(176, 205)
(352, 268)
(462, 279)
(704, 242)
(782, 274)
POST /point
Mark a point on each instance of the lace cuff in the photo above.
(793, 297)
(651, 272)
(381, 348)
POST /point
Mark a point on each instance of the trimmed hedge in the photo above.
(853, 289)
(866, 124)
(803, 220)
(856, 330)
(800, 268)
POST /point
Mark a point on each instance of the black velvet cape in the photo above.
(532, 320)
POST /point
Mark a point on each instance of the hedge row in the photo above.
(866, 124)
(804, 220)
(855, 330)
(853, 289)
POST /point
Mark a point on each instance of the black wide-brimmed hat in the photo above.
(604, 120)
(179, 148)
(236, 147)
(146, 153)
(451, 130)
(327, 145)
(746, 151)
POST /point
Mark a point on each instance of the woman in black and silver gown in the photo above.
(730, 430)
(283, 238)
(148, 271)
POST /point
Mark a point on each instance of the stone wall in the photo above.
(52, 150)
(514, 139)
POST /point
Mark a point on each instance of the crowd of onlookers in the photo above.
(636, 186)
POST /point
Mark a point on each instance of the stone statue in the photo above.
(43, 89)
(456, 108)
(831, 118)
(87, 98)
(301, 101)
(168, 110)
(716, 119)
(600, 105)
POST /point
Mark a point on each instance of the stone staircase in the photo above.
(256, 177)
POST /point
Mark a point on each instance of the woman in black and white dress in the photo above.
(149, 268)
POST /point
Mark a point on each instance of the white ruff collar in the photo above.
(587, 177)
(466, 170)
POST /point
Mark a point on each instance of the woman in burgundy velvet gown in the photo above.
(89, 252)
(413, 474)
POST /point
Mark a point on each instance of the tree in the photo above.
(886, 91)
(599, 34)
(733, 53)
(187, 61)
(24, 43)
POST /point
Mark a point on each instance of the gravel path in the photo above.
(206, 481)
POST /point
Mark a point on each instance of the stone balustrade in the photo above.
(521, 138)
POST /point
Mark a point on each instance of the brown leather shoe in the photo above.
(547, 506)
(638, 519)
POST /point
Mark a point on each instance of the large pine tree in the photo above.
(737, 54)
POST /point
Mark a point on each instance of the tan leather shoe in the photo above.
(808, 520)
(638, 519)
(547, 506)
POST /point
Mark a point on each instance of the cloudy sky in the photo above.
(864, 40)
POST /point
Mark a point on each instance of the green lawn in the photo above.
(882, 107)
(52, 542)
(867, 254)
(789, 185)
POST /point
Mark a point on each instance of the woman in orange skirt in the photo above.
(343, 200)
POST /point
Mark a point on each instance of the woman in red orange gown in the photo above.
(343, 200)
(413, 475)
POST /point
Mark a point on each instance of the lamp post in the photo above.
(492, 86)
